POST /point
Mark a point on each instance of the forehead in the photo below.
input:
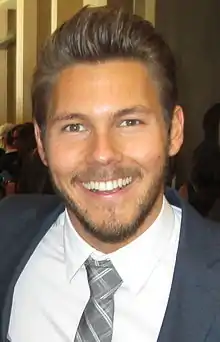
(87, 86)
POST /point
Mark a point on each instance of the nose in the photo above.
(104, 149)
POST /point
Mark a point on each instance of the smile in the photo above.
(109, 185)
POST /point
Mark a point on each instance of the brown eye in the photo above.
(131, 122)
(74, 128)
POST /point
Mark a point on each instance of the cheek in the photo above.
(148, 152)
(62, 158)
(152, 161)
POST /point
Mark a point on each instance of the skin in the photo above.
(106, 122)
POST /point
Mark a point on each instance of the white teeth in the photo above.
(124, 182)
(115, 184)
(109, 185)
(102, 186)
(120, 183)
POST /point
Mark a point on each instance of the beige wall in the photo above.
(11, 71)
(95, 2)
(3, 67)
(26, 54)
(128, 5)
(43, 21)
(144, 8)
(139, 7)
(62, 10)
(150, 10)
(34, 25)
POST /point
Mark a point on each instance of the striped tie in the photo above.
(96, 324)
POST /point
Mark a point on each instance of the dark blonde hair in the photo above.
(100, 34)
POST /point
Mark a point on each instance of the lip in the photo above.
(117, 193)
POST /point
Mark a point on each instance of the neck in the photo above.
(108, 248)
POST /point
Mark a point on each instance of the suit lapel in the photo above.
(41, 225)
(195, 297)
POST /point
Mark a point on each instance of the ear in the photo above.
(176, 131)
(40, 143)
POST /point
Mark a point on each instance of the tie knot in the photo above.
(103, 278)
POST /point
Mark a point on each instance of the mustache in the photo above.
(104, 174)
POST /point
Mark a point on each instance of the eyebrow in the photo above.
(117, 114)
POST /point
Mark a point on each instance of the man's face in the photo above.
(107, 144)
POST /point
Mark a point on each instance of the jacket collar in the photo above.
(40, 223)
(195, 297)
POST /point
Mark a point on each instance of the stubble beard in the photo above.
(111, 230)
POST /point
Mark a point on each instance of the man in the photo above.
(4, 129)
(9, 161)
(113, 259)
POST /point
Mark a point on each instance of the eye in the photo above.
(131, 122)
(74, 128)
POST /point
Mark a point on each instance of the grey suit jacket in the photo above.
(193, 310)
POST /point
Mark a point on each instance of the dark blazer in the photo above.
(193, 310)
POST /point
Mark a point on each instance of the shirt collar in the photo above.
(134, 262)
(76, 249)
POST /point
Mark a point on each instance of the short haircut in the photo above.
(102, 34)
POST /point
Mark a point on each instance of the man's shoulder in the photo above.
(22, 217)
(13, 207)
(213, 227)
(194, 225)
(201, 234)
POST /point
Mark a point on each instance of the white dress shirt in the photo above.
(52, 291)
